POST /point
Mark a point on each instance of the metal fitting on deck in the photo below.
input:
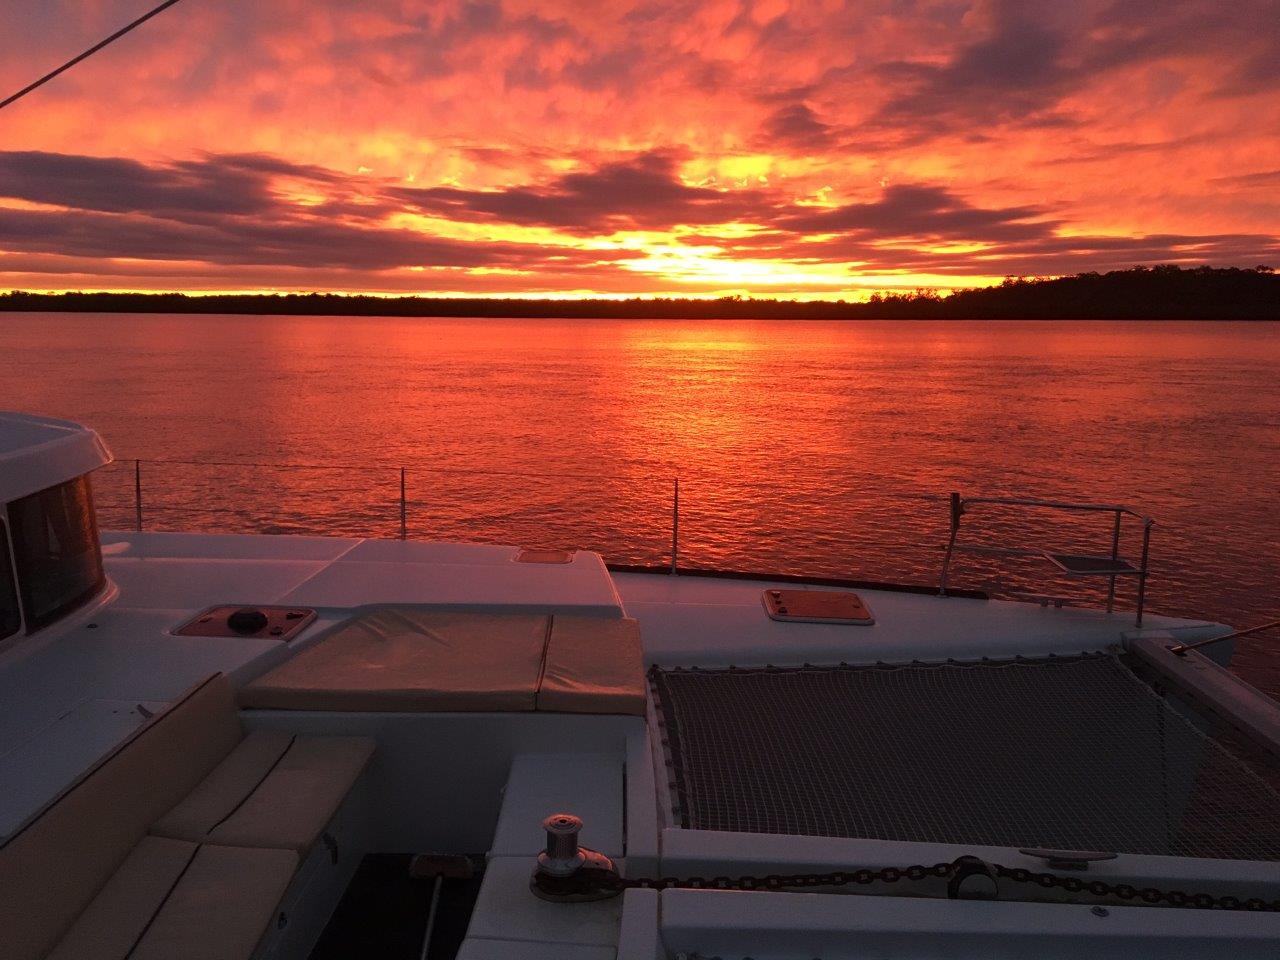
(972, 878)
(569, 873)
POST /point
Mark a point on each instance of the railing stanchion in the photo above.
(675, 527)
(957, 511)
(404, 514)
(1075, 565)
(1115, 555)
(137, 494)
(1142, 572)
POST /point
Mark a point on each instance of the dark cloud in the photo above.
(114, 212)
(1264, 178)
(1260, 72)
(1052, 256)
(223, 210)
(276, 240)
(1104, 152)
(1020, 67)
(1028, 56)
(229, 184)
(912, 228)
(1041, 255)
(920, 212)
(797, 126)
(640, 193)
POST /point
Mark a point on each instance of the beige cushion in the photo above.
(226, 787)
(593, 666)
(408, 659)
(172, 900)
(274, 790)
(221, 907)
(119, 915)
(53, 867)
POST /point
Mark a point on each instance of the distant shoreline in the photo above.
(1141, 293)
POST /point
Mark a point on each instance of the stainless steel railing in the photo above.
(1071, 564)
(200, 496)
(140, 507)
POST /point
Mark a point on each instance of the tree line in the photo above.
(1156, 293)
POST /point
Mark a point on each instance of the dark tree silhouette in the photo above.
(1142, 293)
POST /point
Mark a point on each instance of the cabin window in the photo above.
(55, 549)
(10, 618)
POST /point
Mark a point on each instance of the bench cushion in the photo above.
(226, 787)
(409, 659)
(593, 666)
(52, 868)
(173, 899)
(222, 905)
(119, 915)
(414, 660)
(275, 789)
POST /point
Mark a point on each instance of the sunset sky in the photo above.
(549, 147)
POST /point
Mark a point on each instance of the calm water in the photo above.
(822, 448)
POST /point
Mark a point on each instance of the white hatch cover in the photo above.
(817, 606)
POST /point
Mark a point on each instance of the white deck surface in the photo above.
(708, 622)
(70, 695)
(589, 785)
(727, 924)
(62, 690)
(192, 570)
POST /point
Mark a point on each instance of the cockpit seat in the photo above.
(89, 877)
(171, 899)
(275, 789)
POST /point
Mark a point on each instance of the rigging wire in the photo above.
(88, 53)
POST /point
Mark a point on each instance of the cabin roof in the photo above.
(41, 452)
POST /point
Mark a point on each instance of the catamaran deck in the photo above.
(70, 698)
(479, 782)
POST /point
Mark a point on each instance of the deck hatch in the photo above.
(817, 606)
(1068, 753)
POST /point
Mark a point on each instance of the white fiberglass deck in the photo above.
(74, 692)
(71, 696)
(713, 622)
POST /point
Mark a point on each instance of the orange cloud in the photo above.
(820, 148)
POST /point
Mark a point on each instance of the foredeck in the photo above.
(69, 698)
(72, 695)
(711, 622)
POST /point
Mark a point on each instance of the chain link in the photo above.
(1148, 895)
(916, 872)
(776, 881)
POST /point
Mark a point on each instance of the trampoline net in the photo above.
(1071, 753)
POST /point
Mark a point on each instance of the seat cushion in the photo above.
(409, 659)
(174, 899)
(274, 790)
(54, 866)
(221, 907)
(226, 787)
(118, 916)
(593, 665)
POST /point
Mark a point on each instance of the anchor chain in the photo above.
(949, 871)
(775, 881)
